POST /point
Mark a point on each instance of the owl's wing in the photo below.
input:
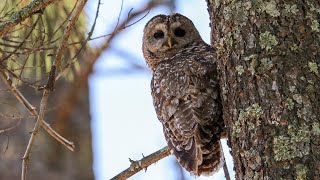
(186, 99)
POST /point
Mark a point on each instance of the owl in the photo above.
(185, 91)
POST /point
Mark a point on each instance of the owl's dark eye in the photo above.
(158, 35)
(179, 32)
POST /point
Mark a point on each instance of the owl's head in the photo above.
(165, 35)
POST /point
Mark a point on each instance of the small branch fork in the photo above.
(145, 162)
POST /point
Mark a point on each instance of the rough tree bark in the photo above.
(269, 57)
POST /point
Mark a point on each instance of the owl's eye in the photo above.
(179, 32)
(158, 35)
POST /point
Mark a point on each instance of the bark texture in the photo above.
(269, 57)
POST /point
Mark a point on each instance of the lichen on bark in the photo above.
(268, 57)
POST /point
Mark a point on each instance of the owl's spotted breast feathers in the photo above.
(190, 109)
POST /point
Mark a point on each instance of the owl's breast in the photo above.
(171, 79)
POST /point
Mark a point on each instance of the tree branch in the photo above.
(143, 163)
(32, 8)
(225, 167)
(91, 57)
(50, 84)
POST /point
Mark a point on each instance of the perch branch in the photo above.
(143, 163)
(18, 17)
(50, 84)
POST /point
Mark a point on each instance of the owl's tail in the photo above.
(204, 154)
(212, 158)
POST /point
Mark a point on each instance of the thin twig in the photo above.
(91, 57)
(12, 127)
(89, 62)
(24, 40)
(83, 43)
(226, 172)
(6, 147)
(143, 163)
(33, 112)
(18, 17)
(25, 159)
(58, 58)
(50, 84)
(225, 167)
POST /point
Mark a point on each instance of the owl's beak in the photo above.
(170, 43)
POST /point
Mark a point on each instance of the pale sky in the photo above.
(124, 123)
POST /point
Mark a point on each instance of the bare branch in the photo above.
(33, 112)
(143, 163)
(91, 57)
(25, 159)
(226, 172)
(64, 44)
(89, 62)
(50, 84)
(32, 8)
(225, 167)
(12, 127)
(20, 45)
(74, 59)
(125, 25)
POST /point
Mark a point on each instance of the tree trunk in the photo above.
(268, 56)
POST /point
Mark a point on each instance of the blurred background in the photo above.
(112, 118)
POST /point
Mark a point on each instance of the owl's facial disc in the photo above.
(167, 35)
(162, 39)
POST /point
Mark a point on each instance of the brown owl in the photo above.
(185, 91)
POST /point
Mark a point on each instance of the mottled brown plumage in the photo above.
(185, 91)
